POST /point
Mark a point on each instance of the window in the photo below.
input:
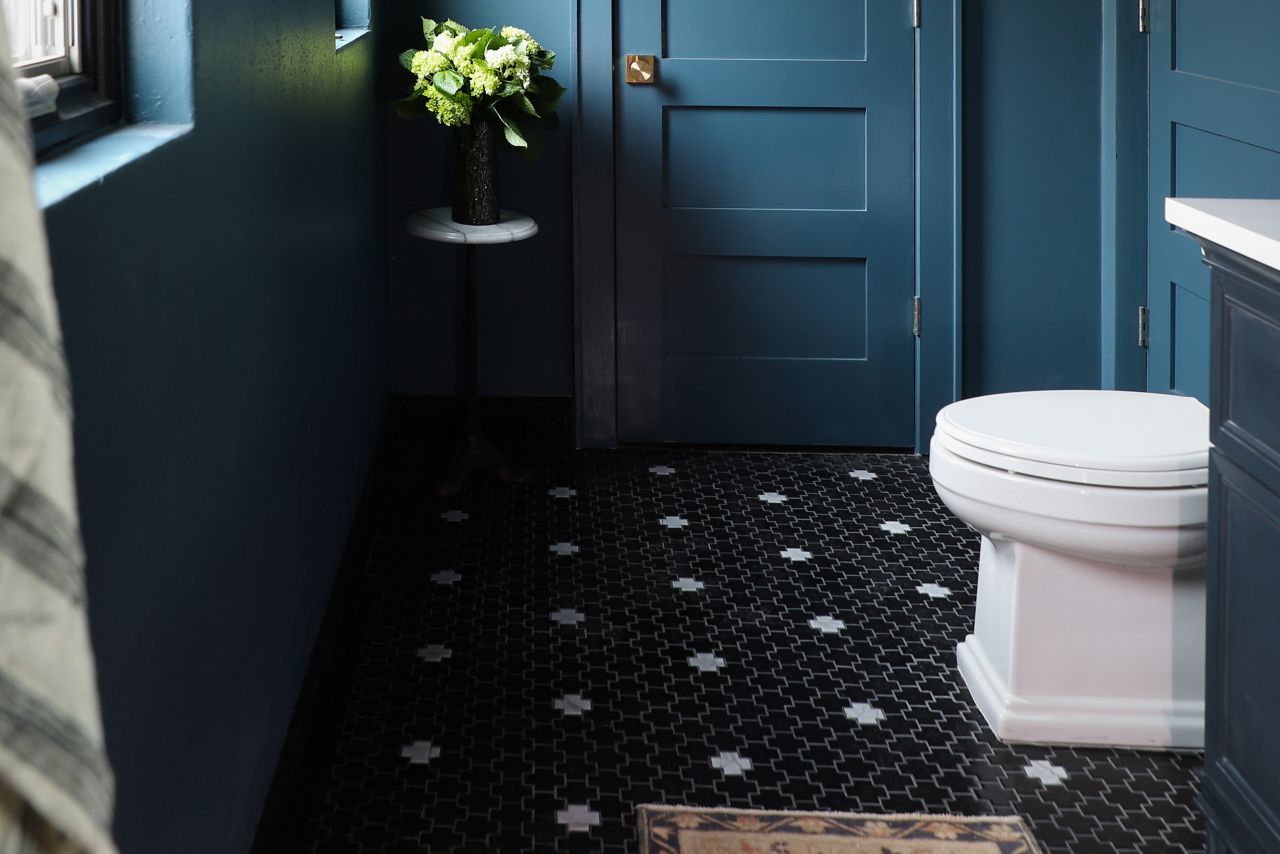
(66, 56)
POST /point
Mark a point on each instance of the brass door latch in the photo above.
(642, 69)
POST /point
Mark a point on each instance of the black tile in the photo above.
(510, 760)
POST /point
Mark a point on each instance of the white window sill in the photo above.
(348, 36)
(92, 162)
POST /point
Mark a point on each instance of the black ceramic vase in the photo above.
(475, 187)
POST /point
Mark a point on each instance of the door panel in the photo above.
(1215, 132)
(766, 215)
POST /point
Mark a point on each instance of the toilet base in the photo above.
(1069, 652)
(1091, 722)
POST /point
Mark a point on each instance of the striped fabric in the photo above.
(56, 788)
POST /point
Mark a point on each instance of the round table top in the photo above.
(437, 224)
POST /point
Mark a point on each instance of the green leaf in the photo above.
(525, 105)
(546, 94)
(413, 107)
(478, 36)
(429, 30)
(512, 132)
(406, 59)
(454, 27)
(448, 82)
(536, 144)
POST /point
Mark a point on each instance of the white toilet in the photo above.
(1090, 614)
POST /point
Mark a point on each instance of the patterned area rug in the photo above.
(693, 830)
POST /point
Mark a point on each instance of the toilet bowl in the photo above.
(1091, 507)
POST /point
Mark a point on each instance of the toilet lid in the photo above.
(1108, 438)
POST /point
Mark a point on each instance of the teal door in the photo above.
(1215, 132)
(765, 211)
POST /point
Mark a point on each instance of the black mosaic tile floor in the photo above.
(531, 661)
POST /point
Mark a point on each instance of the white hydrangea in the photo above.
(523, 43)
(502, 57)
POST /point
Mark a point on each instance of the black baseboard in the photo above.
(328, 672)
(425, 424)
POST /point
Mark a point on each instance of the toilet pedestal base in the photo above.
(1066, 651)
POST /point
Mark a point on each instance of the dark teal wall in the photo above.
(1031, 195)
(224, 310)
(525, 296)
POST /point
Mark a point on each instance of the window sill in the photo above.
(90, 163)
(348, 36)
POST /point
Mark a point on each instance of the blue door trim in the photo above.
(938, 225)
(939, 201)
(1123, 161)
(595, 350)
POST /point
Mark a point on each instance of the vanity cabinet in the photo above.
(1241, 794)
(1242, 737)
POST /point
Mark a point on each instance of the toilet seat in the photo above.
(1099, 438)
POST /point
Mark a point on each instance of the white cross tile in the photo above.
(731, 764)
(573, 705)
(934, 591)
(772, 497)
(568, 616)
(454, 516)
(794, 554)
(419, 753)
(1046, 772)
(673, 522)
(565, 549)
(826, 625)
(895, 527)
(862, 474)
(688, 585)
(562, 492)
(661, 471)
(865, 714)
(579, 818)
(448, 576)
(706, 662)
(434, 652)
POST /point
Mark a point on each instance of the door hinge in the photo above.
(915, 316)
(1144, 16)
(916, 12)
(1144, 326)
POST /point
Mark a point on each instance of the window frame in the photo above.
(88, 77)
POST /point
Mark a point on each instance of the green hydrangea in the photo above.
(428, 62)
(484, 80)
(450, 110)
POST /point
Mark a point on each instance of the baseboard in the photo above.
(285, 806)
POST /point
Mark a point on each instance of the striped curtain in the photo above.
(56, 788)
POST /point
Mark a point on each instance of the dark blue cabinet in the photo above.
(1242, 726)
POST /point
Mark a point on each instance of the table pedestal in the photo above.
(472, 452)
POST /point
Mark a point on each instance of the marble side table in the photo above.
(474, 451)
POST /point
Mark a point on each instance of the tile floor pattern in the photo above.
(474, 723)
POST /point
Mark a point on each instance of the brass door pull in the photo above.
(642, 69)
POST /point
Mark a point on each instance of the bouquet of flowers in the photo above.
(465, 77)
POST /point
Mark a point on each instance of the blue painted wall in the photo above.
(224, 309)
(1032, 196)
(525, 297)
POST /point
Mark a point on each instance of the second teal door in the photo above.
(766, 223)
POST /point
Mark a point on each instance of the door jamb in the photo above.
(938, 218)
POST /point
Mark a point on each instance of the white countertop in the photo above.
(1250, 227)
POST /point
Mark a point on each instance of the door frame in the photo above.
(938, 86)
